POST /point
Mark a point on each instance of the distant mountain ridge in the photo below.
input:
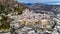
(28, 4)
(39, 6)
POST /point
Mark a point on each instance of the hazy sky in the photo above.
(38, 1)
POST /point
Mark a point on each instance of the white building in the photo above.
(5, 33)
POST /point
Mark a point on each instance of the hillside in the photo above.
(38, 6)
(10, 5)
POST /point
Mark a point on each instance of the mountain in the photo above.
(11, 4)
(38, 6)
(28, 4)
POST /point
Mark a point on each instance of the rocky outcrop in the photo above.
(12, 4)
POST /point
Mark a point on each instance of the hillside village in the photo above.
(29, 21)
(16, 18)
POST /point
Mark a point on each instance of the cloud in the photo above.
(38, 1)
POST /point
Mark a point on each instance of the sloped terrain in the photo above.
(10, 5)
(38, 6)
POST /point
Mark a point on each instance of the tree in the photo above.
(5, 24)
(18, 10)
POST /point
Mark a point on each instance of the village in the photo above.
(28, 17)
(30, 22)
